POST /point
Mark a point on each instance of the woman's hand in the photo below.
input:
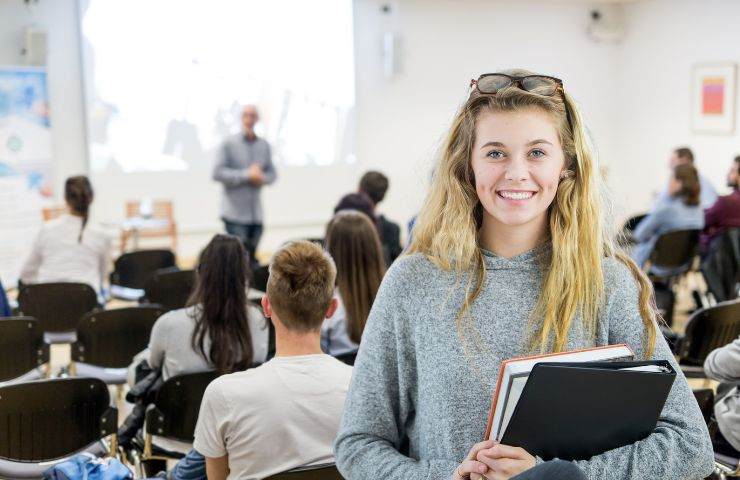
(504, 462)
(471, 468)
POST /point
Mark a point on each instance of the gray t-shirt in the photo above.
(414, 381)
(241, 202)
(170, 344)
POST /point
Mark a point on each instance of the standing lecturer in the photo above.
(243, 166)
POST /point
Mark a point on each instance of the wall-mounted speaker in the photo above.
(34, 46)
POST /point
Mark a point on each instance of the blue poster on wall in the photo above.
(25, 163)
(25, 133)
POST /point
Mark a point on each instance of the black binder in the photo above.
(574, 411)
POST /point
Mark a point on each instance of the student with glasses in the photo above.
(510, 256)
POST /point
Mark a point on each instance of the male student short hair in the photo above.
(301, 285)
(685, 153)
(374, 185)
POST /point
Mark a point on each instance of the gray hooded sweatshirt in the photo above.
(413, 384)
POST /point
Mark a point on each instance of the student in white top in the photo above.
(285, 413)
(353, 242)
(66, 251)
(218, 330)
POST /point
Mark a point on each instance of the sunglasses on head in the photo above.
(491, 83)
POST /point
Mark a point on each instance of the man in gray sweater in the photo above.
(243, 166)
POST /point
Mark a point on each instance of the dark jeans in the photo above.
(191, 467)
(249, 234)
(553, 470)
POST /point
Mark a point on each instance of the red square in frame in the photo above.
(713, 95)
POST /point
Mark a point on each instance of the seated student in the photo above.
(723, 364)
(360, 202)
(681, 212)
(66, 251)
(353, 243)
(375, 185)
(684, 156)
(725, 213)
(219, 331)
(285, 413)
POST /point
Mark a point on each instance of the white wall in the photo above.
(401, 121)
(665, 38)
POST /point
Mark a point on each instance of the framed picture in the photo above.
(713, 98)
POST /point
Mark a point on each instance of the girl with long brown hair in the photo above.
(352, 241)
(219, 330)
(511, 256)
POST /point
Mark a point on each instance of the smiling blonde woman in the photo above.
(510, 256)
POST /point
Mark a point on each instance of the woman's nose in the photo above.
(517, 170)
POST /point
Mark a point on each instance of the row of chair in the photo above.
(48, 420)
(60, 305)
(707, 329)
(677, 252)
(104, 341)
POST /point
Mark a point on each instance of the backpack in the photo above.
(88, 467)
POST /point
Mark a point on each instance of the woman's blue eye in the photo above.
(537, 153)
(495, 154)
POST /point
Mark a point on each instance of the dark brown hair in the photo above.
(354, 244)
(374, 185)
(220, 301)
(301, 285)
(690, 187)
(685, 152)
(78, 194)
(357, 201)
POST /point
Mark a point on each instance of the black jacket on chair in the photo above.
(142, 394)
(721, 265)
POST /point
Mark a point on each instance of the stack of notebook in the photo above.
(578, 404)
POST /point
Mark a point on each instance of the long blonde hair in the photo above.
(573, 282)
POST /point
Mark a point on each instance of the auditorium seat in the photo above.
(174, 415)
(132, 270)
(108, 340)
(708, 329)
(169, 288)
(58, 307)
(315, 472)
(674, 252)
(69, 415)
(24, 355)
